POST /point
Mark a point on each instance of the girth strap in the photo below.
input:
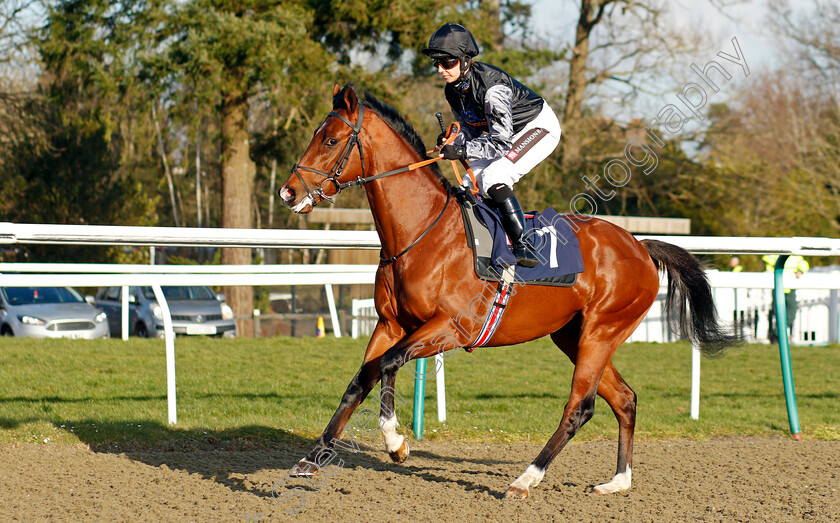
(494, 316)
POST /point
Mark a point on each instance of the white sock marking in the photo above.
(530, 478)
(393, 441)
(619, 483)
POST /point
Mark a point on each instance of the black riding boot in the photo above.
(513, 220)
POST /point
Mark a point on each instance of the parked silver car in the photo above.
(49, 312)
(195, 310)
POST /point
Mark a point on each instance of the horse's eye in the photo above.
(330, 142)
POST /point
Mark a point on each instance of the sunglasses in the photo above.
(447, 63)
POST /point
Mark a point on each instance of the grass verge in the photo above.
(250, 392)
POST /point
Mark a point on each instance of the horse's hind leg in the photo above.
(578, 410)
(622, 400)
(600, 336)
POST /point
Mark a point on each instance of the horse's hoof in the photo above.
(608, 488)
(304, 468)
(619, 483)
(401, 454)
(516, 493)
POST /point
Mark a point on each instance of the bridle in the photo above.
(338, 168)
(341, 163)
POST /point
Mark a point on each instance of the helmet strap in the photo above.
(465, 65)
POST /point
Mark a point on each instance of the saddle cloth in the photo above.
(553, 239)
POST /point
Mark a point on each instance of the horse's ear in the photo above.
(345, 98)
(350, 99)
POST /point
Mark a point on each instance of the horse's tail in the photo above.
(689, 304)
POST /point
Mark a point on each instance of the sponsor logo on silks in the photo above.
(471, 118)
(525, 144)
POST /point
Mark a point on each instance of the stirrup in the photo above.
(524, 256)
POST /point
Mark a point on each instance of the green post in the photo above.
(419, 397)
(784, 347)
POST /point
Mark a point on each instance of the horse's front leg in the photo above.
(432, 338)
(384, 336)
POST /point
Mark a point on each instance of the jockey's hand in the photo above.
(440, 139)
(453, 152)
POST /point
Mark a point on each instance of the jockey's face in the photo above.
(450, 73)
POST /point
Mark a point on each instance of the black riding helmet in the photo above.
(452, 41)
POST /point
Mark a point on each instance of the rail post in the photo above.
(784, 346)
(169, 342)
(419, 398)
(257, 329)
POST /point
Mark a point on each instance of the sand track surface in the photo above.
(738, 479)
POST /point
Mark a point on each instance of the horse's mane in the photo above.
(394, 120)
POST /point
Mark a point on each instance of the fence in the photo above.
(364, 317)
(747, 307)
(110, 275)
(745, 298)
(11, 233)
(156, 276)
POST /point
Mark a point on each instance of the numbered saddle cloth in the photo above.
(553, 239)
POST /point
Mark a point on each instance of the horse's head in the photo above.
(333, 157)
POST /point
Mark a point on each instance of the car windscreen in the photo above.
(181, 292)
(36, 295)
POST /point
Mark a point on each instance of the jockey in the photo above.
(506, 128)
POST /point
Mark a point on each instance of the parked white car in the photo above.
(195, 310)
(50, 312)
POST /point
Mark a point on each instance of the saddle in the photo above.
(553, 239)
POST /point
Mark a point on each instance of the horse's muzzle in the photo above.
(287, 194)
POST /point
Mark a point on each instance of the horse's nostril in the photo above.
(286, 194)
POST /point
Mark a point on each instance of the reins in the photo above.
(360, 181)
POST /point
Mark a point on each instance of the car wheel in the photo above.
(140, 331)
(6, 331)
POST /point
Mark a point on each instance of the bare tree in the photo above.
(163, 157)
(20, 110)
(777, 158)
(816, 41)
(623, 45)
(812, 93)
(492, 8)
(17, 20)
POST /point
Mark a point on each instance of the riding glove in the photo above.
(454, 152)
(441, 138)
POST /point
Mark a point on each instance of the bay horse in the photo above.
(426, 278)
